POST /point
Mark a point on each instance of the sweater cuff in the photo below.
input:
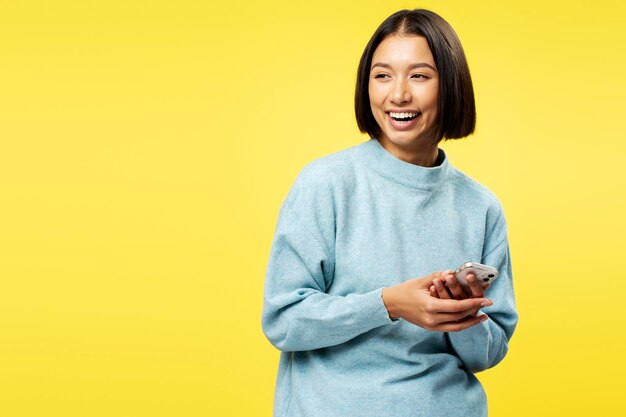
(379, 312)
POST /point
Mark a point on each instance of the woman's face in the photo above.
(403, 90)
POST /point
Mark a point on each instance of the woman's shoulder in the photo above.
(474, 190)
(320, 181)
(328, 165)
(328, 171)
(482, 201)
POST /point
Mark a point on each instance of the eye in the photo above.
(381, 76)
(419, 76)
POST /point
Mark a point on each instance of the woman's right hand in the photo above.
(412, 301)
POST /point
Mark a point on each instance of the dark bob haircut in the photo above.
(456, 107)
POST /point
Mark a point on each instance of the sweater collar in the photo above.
(414, 176)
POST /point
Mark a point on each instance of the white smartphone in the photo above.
(484, 273)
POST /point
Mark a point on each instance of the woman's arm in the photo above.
(485, 345)
(297, 312)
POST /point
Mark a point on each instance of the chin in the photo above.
(403, 139)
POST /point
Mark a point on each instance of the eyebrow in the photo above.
(412, 66)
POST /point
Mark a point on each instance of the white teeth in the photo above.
(402, 115)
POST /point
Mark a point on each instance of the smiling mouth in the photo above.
(403, 117)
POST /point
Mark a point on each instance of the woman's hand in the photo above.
(412, 300)
(447, 287)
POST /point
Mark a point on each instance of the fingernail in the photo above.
(447, 271)
(486, 303)
(484, 317)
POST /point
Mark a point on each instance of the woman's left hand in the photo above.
(447, 287)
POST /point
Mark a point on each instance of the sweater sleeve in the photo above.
(484, 345)
(298, 314)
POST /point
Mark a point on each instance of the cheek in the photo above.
(375, 95)
(432, 97)
(433, 100)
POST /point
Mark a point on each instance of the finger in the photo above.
(475, 286)
(455, 288)
(433, 291)
(441, 318)
(462, 324)
(455, 306)
(441, 289)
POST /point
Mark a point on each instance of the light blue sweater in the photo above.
(354, 222)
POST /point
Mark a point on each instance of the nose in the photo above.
(400, 93)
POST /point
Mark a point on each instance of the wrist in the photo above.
(389, 300)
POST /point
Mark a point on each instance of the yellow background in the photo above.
(146, 147)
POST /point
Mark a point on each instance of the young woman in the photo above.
(359, 295)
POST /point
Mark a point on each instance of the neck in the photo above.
(422, 153)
